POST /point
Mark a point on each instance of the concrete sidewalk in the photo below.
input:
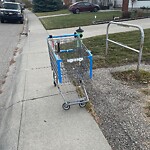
(95, 30)
(34, 118)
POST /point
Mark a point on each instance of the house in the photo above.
(100, 2)
(116, 3)
(136, 3)
(139, 3)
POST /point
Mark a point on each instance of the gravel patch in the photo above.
(119, 107)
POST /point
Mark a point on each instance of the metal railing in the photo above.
(125, 46)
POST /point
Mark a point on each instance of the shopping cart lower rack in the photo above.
(71, 63)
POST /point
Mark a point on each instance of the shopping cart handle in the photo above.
(50, 36)
(65, 35)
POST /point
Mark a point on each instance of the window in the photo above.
(10, 6)
(80, 4)
(87, 4)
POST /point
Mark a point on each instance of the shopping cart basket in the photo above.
(71, 63)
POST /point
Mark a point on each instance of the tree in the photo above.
(27, 3)
(125, 12)
(46, 5)
(125, 4)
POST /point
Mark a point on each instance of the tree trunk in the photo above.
(125, 4)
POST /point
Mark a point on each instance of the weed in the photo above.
(147, 109)
(131, 76)
(90, 108)
(12, 62)
(146, 91)
(3, 82)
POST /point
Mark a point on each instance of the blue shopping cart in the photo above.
(71, 63)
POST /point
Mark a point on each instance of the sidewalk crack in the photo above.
(31, 99)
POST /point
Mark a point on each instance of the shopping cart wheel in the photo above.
(54, 79)
(54, 83)
(83, 104)
(65, 106)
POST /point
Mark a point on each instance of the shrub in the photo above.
(27, 3)
(126, 14)
(46, 5)
(139, 14)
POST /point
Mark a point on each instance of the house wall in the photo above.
(103, 2)
(118, 3)
(139, 3)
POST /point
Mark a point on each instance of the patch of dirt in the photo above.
(132, 78)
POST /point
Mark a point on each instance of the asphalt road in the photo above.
(9, 37)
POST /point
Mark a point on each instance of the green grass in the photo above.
(140, 13)
(63, 11)
(116, 54)
(74, 20)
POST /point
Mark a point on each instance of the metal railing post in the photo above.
(125, 46)
(106, 52)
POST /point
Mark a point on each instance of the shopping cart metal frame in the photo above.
(58, 68)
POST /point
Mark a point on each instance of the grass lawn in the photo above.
(116, 54)
(74, 20)
(63, 11)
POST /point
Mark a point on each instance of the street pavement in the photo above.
(9, 36)
(33, 118)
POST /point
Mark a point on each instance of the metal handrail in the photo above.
(125, 46)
